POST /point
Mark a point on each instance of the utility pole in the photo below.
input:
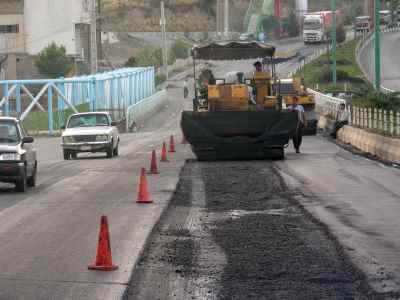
(377, 28)
(333, 34)
(99, 27)
(164, 40)
(226, 18)
(219, 19)
(93, 37)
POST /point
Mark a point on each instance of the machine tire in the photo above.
(31, 182)
(21, 184)
(66, 154)
(73, 154)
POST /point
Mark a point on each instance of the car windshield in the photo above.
(9, 133)
(88, 120)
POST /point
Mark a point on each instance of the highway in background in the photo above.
(390, 60)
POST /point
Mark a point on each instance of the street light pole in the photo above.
(333, 33)
(377, 46)
(226, 18)
(164, 39)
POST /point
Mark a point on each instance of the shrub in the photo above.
(324, 74)
(131, 62)
(150, 56)
(160, 78)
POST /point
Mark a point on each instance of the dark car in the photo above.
(18, 163)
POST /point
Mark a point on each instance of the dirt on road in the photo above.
(235, 231)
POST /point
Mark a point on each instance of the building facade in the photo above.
(12, 33)
(48, 21)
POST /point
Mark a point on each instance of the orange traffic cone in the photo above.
(171, 144)
(153, 166)
(103, 257)
(143, 195)
(164, 157)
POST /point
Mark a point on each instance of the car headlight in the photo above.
(10, 157)
(102, 138)
(68, 139)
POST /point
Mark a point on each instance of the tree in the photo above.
(150, 56)
(291, 26)
(53, 61)
(131, 62)
(269, 24)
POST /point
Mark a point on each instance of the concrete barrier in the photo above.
(139, 112)
(386, 148)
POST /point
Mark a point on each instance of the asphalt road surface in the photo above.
(235, 231)
(319, 225)
(390, 60)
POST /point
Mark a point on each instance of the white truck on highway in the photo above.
(316, 26)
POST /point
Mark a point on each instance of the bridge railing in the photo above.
(377, 120)
(326, 105)
(137, 113)
(111, 91)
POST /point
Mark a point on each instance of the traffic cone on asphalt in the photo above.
(171, 144)
(153, 166)
(143, 195)
(103, 257)
(164, 157)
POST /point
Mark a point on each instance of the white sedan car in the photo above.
(90, 132)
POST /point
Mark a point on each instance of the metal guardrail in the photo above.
(111, 91)
(138, 112)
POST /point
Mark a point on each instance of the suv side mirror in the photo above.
(27, 140)
(113, 123)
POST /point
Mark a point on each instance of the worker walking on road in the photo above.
(185, 89)
(302, 122)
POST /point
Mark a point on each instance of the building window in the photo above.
(9, 28)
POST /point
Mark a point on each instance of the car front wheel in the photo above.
(21, 184)
(110, 150)
(74, 155)
(66, 154)
(116, 151)
(31, 181)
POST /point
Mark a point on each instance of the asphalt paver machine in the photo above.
(241, 120)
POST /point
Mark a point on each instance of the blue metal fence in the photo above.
(113, 91)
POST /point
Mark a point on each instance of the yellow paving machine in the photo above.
(242, 120)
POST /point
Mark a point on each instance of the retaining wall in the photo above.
(384, 147)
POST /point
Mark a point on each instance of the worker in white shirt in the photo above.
(302, 122)
(342, 119)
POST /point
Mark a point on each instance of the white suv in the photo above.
(90, 132)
